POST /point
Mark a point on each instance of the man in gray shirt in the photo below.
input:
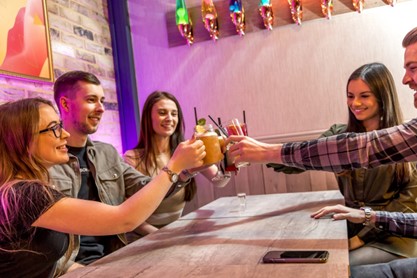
(95, 170)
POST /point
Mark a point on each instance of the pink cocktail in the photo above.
(234, 127)
(237, 129)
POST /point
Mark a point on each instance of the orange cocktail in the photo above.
(212, 145)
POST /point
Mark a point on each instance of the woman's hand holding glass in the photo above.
(213, 172)
(189, 154)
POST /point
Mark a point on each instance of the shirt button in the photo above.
(115, 175)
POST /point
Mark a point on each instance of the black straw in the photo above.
(244, 121)
(218, 126)
(195, 115)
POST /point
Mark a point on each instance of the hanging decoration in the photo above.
(183, 20)
(265, 10)
(209, 15)
(327, 8)
(296, 10)
(358, 5)
(237, 14)
(246, 16)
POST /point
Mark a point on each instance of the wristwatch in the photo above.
(367, 211)
(173, 177)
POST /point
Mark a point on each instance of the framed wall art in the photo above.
(25, 49)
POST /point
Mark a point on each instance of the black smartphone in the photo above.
(296, 256)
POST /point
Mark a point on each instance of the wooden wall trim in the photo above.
(290, 137)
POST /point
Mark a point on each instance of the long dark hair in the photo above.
(146, 145)
(382, 85)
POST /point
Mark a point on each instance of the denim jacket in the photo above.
(115, 180)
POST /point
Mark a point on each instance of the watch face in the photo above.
(174, 178)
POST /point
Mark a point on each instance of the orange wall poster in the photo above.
(25, 50)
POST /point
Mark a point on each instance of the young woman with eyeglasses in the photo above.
(35, 219)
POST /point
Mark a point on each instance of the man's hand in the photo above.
(247, 149)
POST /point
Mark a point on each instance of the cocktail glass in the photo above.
(234, 127)
(211, 143)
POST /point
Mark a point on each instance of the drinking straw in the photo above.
(218, 126)
(237, 126)
(244, 121)
(195, 115)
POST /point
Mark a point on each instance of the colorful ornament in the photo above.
(209, 15)
(296, 10)
(327, 8)
(183, 20)
(265, 10)
(237, 14)
(358, 5)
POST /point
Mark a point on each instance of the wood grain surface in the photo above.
(221, 240)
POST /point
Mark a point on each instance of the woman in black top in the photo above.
(34, 218)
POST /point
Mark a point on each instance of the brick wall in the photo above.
(80, 40)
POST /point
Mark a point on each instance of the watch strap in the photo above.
(367, 211)
(173, 177)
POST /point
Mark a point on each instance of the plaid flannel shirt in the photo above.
(402, 224)
(354, 150)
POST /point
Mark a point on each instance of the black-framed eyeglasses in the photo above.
(56, 129)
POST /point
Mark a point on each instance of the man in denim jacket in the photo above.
(95, 170)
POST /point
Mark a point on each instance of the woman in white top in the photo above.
(161, 130)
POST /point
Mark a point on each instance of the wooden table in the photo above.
(223, 240)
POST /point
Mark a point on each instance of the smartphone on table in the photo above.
(296, 256)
